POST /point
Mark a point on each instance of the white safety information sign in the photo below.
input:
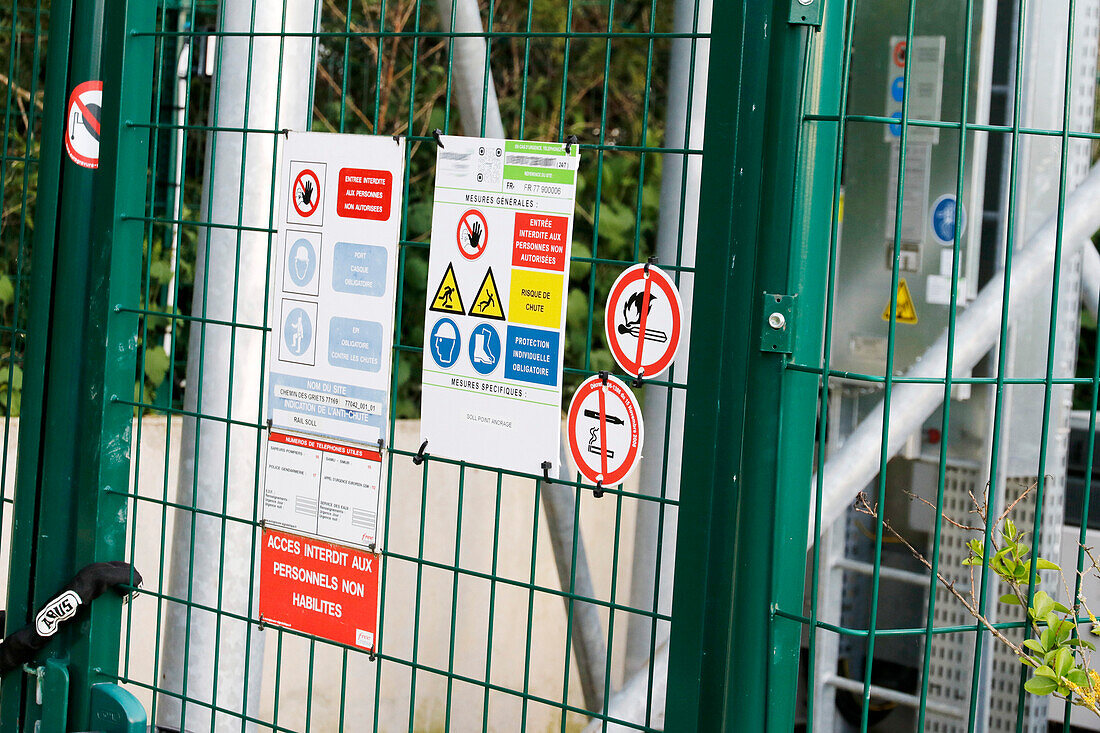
(494, 326)
(925, 81)
(333, 290)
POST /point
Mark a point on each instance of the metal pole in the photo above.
(1090, 277)
(473, 86)
(849, 470)
(261, 83)
(676, 230)
(475, 90)
(559, 503)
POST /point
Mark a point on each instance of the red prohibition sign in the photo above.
(643, 320)
(899, 53)
(605, 430)
(306, 193)
(473, 234)
(82, 123)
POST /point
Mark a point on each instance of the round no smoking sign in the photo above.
(605, 430)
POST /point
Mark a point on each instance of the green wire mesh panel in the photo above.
(507, 603)
(960, 255)
(22, 48)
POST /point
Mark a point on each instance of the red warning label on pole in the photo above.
(605, 430)
(82, 124)
(319, 588)
(643, 320)
(364, 194)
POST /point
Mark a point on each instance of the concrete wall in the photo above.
(430, 509)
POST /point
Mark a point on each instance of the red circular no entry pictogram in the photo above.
(473, 234)
(306, 193)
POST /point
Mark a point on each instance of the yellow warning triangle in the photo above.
(487, 303)
(907, 312)
(447, 298)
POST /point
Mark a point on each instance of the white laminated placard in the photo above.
(333, 290)
(494, 326)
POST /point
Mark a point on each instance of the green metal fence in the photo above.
(828, 286)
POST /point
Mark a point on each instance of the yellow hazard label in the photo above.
(907, 311)
(447, 298)
(535, 298)
(487, 303)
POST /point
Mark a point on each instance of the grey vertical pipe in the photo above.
(475, 97)
(676, 228)
(851, 467)
(471, 77)
(1090, 278)
(218, 462)
(558, 502)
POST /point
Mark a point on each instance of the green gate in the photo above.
(731, 145)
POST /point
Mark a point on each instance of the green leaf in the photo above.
(156, 364)
(1047, 672)
(1060, 608)
(1063, 662)
(1042, 604)
(1010, 599)
(1079, 678)
(1040, 686)
(1081, 643)
(1047, 638)
(1010, 529)
(1046, 565)
(7, 291)
(1034, 645)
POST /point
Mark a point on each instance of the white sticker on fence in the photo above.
(332, 289)
(494, 325)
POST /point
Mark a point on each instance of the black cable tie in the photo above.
(371, 656)
(603, 376)
(381, 446)
(436, 133)
(419, 457)
(285, 132)
(546, 472)
(397, 139)
(260, 624)
(638, 380)
(648, 262)
(598, 491)
(569, 143)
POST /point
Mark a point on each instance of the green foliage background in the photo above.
(396, 84)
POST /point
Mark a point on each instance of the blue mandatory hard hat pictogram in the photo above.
(297, 331)
(445, 343)
(302, 262)
(895, 129)
(484, 349)
(946, 215)
(897, 88)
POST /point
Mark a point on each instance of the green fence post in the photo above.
(749, 431)
(71, 491)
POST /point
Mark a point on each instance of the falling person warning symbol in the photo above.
(473, 234)
(82, 124)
